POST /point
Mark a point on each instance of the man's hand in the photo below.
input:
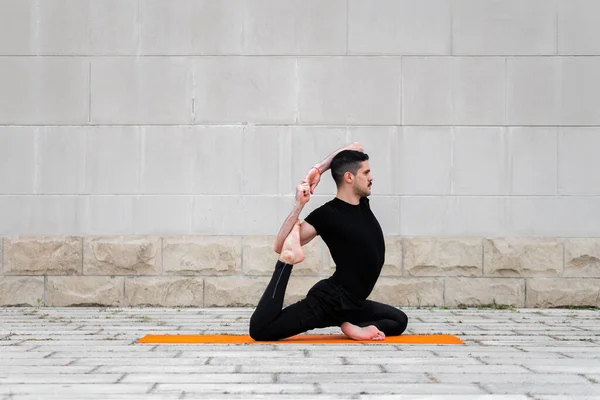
(355, 146)
(313, 178)
(303, 192)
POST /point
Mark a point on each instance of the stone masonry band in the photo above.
(229, 271)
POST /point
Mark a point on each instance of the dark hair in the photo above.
(346, 161)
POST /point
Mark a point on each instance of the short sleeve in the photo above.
(317, 218)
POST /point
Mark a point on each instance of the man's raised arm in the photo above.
(314, 175)
(302, 197)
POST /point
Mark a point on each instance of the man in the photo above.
(356, 243)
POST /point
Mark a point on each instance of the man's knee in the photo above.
(255, 329)
(402, 320)
(255, 334)
(260, 335)
(398, 321)
(258, 332)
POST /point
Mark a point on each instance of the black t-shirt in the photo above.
(355, 241)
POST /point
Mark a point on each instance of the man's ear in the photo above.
(348, 177)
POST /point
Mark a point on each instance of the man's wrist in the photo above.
(298, 206)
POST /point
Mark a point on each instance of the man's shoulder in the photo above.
(337, 204)
(325, 207)
(321, 217)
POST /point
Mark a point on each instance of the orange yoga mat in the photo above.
(298, 339)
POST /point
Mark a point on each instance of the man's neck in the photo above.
(348, 197)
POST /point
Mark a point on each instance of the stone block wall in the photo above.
(186, 124)
(229, 271)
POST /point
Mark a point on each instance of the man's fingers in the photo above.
(305, 189)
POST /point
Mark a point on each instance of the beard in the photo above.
(363, 192)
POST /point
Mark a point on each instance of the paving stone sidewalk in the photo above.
(83, 353)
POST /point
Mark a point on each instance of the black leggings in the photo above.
(326, 304)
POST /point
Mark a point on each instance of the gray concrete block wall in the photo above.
(199, 117)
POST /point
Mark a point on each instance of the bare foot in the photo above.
(292, 253)
(357, 333)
